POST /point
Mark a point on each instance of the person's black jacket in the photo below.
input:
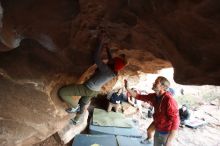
(115, 97)
(184, 115)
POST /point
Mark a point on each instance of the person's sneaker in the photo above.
(74, 121)
(73, 110)
(182, 125)
(146, 141)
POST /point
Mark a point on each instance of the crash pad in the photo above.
(131, 132)
(195, 123)
(104, 118)
(130, 141)
(94, 140)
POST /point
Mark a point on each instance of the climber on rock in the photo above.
(91, 88)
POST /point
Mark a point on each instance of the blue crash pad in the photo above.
(131, 132)
(130, 141)
(94, 140)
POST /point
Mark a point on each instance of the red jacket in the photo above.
(166, 114)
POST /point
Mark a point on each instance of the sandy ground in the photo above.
(207, 135)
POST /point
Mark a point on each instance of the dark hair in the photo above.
(184, 105)
(122, 56)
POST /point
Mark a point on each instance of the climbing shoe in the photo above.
(73, 110)
(74, 121)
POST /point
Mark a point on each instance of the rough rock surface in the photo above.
(46, 44)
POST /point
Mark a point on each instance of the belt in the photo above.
(163, 132)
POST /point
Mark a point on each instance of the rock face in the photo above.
(46, 44)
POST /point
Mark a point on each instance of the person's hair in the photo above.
(184, 105)
(123, 56)
(119, 90)
(164, 82)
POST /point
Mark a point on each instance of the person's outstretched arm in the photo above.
(109, 53)
(97, 55)
(132, 93)
(108, 50)
(146, 98)
(98, 52)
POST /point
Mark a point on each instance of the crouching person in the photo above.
(115, 101)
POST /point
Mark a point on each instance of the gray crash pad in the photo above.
(130, 141)
(131, 132)
(94, 140)
(195, 123)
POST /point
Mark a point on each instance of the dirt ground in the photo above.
(206, 135)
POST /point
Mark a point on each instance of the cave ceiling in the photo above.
(40, 38)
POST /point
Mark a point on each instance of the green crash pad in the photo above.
(113, 119)
(131, 132)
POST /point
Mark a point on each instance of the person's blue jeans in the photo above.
(160, 139)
